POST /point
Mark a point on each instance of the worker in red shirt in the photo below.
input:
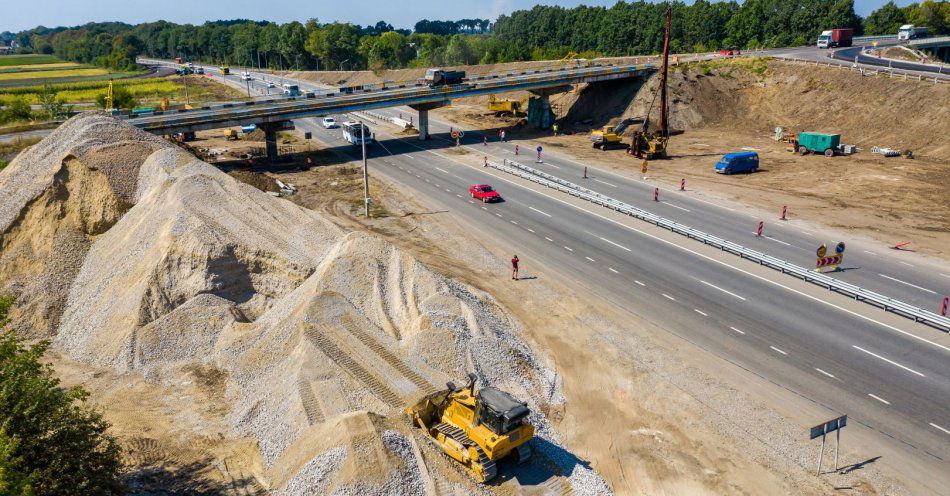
(514, 268)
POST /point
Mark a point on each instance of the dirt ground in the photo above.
(730, 110)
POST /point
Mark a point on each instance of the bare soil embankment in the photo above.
(239, 341)
(727, 107)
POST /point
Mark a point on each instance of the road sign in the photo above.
(834, 425)
(822, 250)
(461, 133)
(539, 149)
(839, 248)
(645, 167)
(455, 134)
(828, 261)
(308, 135)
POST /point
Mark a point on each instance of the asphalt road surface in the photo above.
(885, 372)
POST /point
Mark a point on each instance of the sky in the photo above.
(26, 14)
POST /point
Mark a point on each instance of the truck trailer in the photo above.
(441, 77)
(822, 143)
(833, 38)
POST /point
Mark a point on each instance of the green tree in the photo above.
(389, 51)
(53, 107)
(885, 20)
(121, 99)
(51, 441)
(17, 110)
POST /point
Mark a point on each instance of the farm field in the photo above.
(38, 70)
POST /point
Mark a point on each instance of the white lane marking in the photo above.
(499, 215)
(778, 350)
(591, 259)
(540, 212)
(615, 244)
(905, 263)
(568, 248)
(457, 195)
(737, 330)
(513, 222)
(723, 290)
(638, 282)
(935, 426)
(605, 182)
(443, 170)
(549, 239)
(612, 270)
(529, 229)
(944, 275)
(427, 180)
(776, 240)
(806, 233)
(668, 297)
(552, 165)
(907, 283)
(892, 362)
(483, 208)
(704, 314)
(826, 373)
(869, 252)
(882, 400)
(676, 206)
(691, 251)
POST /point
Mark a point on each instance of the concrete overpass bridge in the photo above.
(937, 47)
(276, 114)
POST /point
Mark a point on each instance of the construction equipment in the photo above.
(645, 144)
(609, 137)
(230, 134)
(225, 70)
(475, 429)
(506, 108)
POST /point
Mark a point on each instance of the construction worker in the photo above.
(514, 268)
(554, 126)
(502, 134)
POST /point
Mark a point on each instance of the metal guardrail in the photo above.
(875, 38)
(810, 275)
(930, 41)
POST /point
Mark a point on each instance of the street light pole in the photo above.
(366, 199)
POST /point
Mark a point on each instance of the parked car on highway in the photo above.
(732, 163)
(329, 123)
(484, 192)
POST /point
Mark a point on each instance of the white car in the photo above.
(270, 84)
(246, 76)
(329, 122)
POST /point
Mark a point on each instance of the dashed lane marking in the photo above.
(905, 263)
(568, 248)
(605, 182)
(778, 350)
(935, 426)
(704, 314)
(443, 170)
(776, 240)
(612, 270)
(668, 297)
(882, 400)
(499, 215)
(549, 239)
(591, 259)
(869, 252)
(540, 212)
(825, 373)
(723, 290)
(638, 282)
(676, 206)
(892, 362)
(529, 229)
(513, 222)
(615, 244)
(907, 283)
(737, 330)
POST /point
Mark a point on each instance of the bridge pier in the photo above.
(423, 120)
(270, 142)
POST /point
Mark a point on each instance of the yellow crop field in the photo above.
(42, 66)
(52, 74)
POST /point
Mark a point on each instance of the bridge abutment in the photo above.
(423, 120)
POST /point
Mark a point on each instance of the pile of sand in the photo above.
(322, 337)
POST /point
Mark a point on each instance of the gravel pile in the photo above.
(316, 476)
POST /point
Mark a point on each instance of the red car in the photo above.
(484, 193)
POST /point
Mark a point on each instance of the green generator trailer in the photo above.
(818, 143)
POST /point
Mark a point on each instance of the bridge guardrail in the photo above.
(809, 275)
(875, 38)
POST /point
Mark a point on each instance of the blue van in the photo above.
(732, 163)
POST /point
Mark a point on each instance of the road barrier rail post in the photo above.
(886, 303)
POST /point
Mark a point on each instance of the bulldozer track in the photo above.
(238, 482)
(491, 470)
(311, 406)
(390, 358)
(144, 451)
(379, 389)
(558, 486)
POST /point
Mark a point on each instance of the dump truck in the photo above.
(826, 144)
(441, 77)
(475, 428)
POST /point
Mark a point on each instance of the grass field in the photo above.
(148, 91)
(29, 59)
(54, 74)
(39, 67)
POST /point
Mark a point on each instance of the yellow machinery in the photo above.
(506, 107)
(225, 70)
(648, 145)
(230, 134)
(475, 429)
(609, 137)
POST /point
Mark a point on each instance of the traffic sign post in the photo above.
(585, 172)
(834, 425)
(656, 194)
(683, 184)
(539, 154)
(516, 149)
(646, 165)
(758, 229)
(824, 260)
(784, 211)
(455, 136)
(943, 307)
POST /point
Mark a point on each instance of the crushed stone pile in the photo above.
(324, 336)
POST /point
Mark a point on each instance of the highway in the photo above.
(885, 372)
(847, 55)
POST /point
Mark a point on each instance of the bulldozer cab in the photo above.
(498, 411)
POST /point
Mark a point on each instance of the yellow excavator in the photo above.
(609, 137)
(503, 108)
(476, 429)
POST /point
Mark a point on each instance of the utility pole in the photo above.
(664, 124)
(366, 199)
(248, 81)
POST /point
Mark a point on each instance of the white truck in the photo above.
(911, 32)
(824, 39)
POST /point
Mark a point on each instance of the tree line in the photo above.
(543, 32)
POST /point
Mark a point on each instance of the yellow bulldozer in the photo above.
(506, 108)
(476, 429)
